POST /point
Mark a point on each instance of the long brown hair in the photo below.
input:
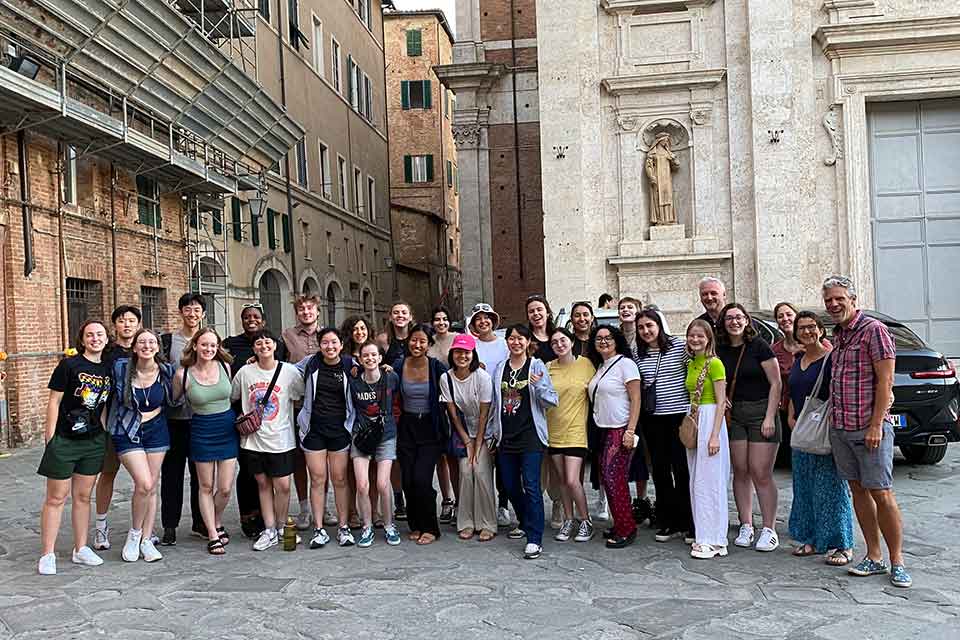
(190, 351)
(711, 349)
(132, 366)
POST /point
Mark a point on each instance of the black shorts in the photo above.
(316, 441)
(273, 465)
(573, 452)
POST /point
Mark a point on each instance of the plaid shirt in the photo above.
(856, 348)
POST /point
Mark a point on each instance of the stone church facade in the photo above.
(811, 137)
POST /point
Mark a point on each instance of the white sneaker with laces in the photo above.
(602, 512)
(149, 551)
(585, 533)
(503, 517)
(556, 515)
(267, 539)
(532, 551)
(767, 540)
(85, 555)
(101, 539)
(745, 537)
(131, 548)
(47, 565)
(566, 530)
(344, 537)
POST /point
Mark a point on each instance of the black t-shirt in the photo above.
(84, 384)
(241, 348)
(581, 348)
(752, 383)
(370, 400)
(397, 350)
(706, 318)
(114, 352)
(516, 417)
(544, 350)
(329, 403)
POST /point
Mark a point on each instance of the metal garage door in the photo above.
(915, 176)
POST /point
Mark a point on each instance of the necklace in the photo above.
(514, 377)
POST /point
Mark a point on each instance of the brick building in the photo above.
(497, 130)
(104, 157)
(424, 171)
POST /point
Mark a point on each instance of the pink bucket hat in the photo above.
(464, 341)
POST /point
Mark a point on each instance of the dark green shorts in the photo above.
(64, 456)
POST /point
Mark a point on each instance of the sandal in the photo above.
(426, 538)
(224, 536)
(466, 534)
(487, 536)
(215, 548)
(414, 536)
(804, 550)
(839, 557)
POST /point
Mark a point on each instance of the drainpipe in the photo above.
(61, 265)
(25, 211)
(443, 183)
(516, 132)
(295, 285)
(395, 292)
(113, 229)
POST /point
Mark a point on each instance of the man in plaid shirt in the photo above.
(861, 392)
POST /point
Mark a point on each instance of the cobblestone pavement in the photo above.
(460, 589)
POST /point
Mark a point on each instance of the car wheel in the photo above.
(923, 454)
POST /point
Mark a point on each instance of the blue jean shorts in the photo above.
(386, 450)
(153, 437)
(872, 468)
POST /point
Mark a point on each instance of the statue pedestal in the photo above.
(667, 232)
(668, 240)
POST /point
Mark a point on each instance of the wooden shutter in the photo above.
(427, 95)
(285, 230)
(429, 168)
(408, 169)
(271, 229)
(237, 219)
(449, 174)
(217, 222)
(414, 43)
(254, 230)
(350, 81)
(405, 94)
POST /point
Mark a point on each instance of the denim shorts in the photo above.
(386, 450)
(153, 437)
(872, 468)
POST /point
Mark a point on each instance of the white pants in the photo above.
(709, 477)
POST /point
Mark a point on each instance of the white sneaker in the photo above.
(131, 548)
(101, 539)
(303, 521)
(85, 555)
(320, 538)
(503, 517)
(344, 537)
(267, 539)
(566, 531)
(745, 538)
(707, 551)
(602, 512)
(47, 565)
(149, 551)
(767, 541)
(556, 516)
(532, 551)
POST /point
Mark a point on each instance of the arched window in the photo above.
(332, 305)
(310, 287)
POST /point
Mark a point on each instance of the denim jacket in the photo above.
(438, 410)
(125, 418)
(542, 396)
(308, 367)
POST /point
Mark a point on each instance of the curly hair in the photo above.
(619, 340)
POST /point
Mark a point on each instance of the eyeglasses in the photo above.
(808, 328)
(603, 339)
(735, 319)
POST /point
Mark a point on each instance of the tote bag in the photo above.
(812, 431)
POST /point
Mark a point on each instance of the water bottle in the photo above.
(290, 535)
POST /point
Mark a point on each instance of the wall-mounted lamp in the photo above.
(24, 66)
(775, 135)
(256, 205)
(561, 151)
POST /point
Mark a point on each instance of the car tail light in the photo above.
(945, 371)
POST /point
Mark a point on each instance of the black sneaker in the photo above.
(199, 530)
(169, 538)
(666, 534)
(619, 542)
(642, 510)
(252, 526)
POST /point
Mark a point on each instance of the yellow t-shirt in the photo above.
(714, 372)
(567, 422)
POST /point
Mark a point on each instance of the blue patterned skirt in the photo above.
(822, 514)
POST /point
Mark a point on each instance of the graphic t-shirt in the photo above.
(329, 404)
(277, 425)
(368, 398)
(85, 385)
(516, 416)
(567, 422)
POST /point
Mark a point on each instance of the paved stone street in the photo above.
(457, 589)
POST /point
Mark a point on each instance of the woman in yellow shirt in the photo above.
(567, 430)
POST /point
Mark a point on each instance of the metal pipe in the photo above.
(113, 226)
(516, 133)
(62, 266)
(25, 210)
(444, 228)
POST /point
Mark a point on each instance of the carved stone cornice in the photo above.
(471, 75)
(903, 34)
(843, 10)
(651, 6)
(466, 135)
(658, 82)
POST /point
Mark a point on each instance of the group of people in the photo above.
(496, 420)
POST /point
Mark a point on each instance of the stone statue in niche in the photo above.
(659, 167)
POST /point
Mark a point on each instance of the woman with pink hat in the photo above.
(467, 390)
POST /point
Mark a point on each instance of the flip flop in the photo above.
(486, 536)
(426, 538)
(466, 534)
(804, 550)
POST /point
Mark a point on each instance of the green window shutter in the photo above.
(408, 169)
(404, 94)
(449, 174)
(255, 230)
(430, 168)
(217, 222)
(271, 229)
(285, 228)
(414, 43)
(237, 219)
(194, 221)
(427, 95)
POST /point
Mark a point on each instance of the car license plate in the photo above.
(899, 420)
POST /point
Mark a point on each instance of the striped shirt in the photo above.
(863, 342)
(672, 396)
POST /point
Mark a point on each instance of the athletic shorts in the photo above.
(63, 457)
(316, 441)
(273, 465)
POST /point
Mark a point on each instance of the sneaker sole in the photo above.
(866, 574)
(153, 559)
(743, 545)
(902, 585)
(767, 549)
(364, 545)
(531, 556)
(317, 546)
